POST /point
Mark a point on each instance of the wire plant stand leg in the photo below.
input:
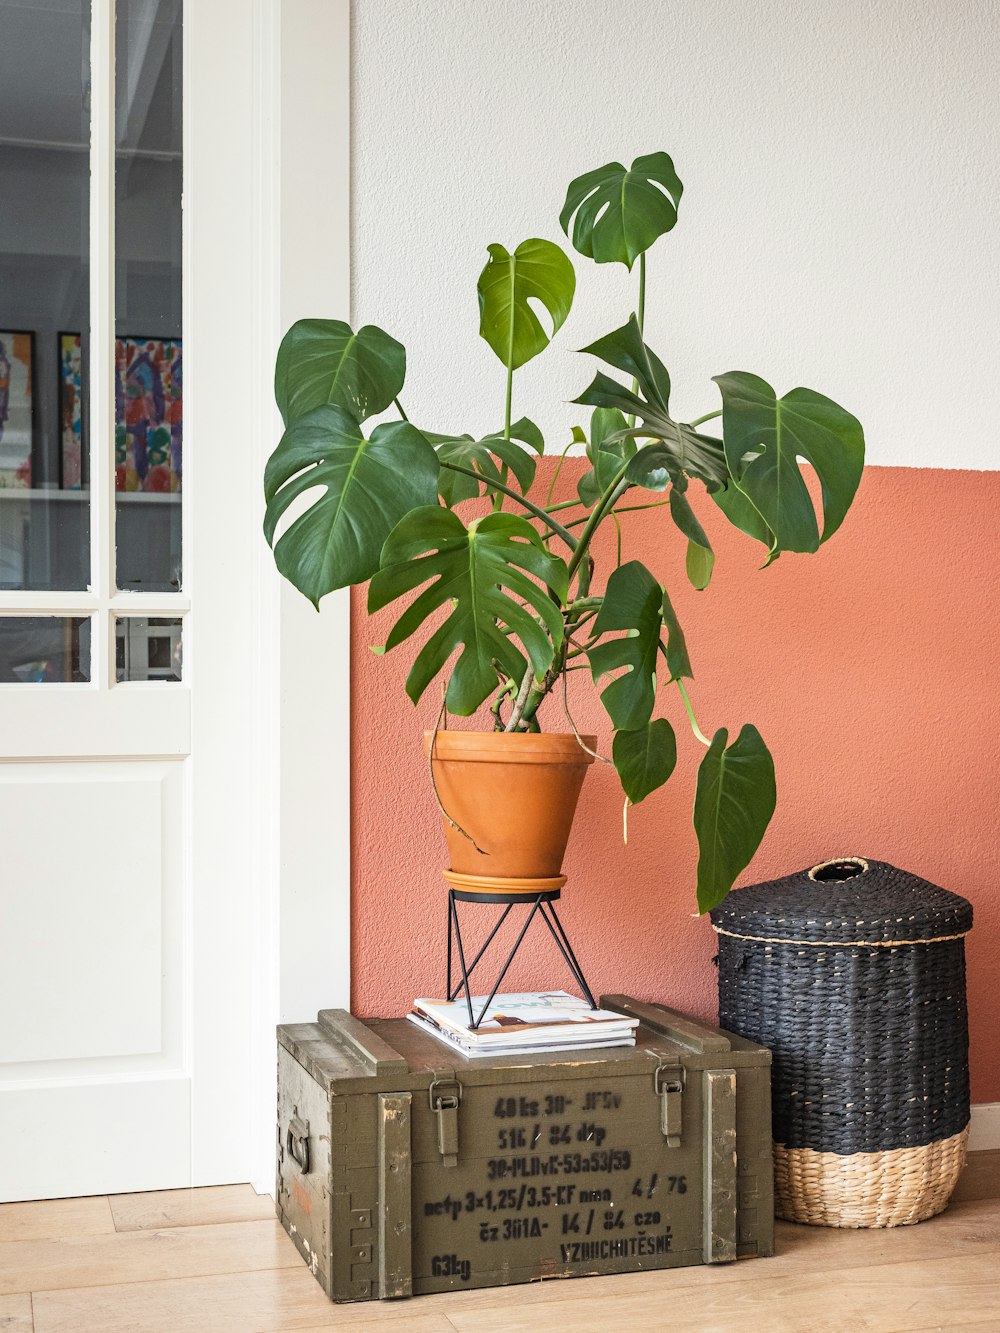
(506, 967)
(562, 939)
(453, 922)
(452, 993)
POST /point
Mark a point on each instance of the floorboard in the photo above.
(216, 1261)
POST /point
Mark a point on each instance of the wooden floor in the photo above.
(216, 1261)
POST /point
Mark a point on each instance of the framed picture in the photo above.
(17, 407)
(148, 414)
(72, 444)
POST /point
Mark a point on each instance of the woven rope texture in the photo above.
(864, 1009)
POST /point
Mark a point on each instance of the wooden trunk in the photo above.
(405, 1169)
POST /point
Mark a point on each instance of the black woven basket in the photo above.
(853, 973)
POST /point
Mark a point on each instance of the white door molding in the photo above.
(301, 899)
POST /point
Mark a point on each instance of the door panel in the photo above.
(90, 948)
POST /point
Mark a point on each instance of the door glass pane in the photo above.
(44, 230)
(44, 649)
(147, 648)
(148, 352)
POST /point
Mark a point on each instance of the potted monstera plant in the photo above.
(497, 585)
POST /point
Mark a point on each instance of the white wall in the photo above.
(838, 229)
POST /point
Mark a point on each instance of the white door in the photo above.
(139, 799)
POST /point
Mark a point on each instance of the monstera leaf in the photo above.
(765, 437)
(608, 448)
(644, 759)
(700, 557)
(677, 451)
(633, 602)
(368, 485)
(325, 361)
(536, 271)
(619, 213)
(676, 653)
(480, 456)
(733, 806)
(478, 572)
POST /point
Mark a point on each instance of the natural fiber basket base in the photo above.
(867, 1189)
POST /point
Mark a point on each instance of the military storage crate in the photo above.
(404, 1168)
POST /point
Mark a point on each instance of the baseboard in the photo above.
(984, 1133)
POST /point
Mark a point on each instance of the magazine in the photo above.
(525, 1021)
(479, 1052)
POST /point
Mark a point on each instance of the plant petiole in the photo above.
(709, 416)
(525, 503)
(690, 712)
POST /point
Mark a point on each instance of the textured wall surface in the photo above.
(869, 669)
(841, 165)
(837, 230)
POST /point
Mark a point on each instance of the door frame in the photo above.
(300, 739)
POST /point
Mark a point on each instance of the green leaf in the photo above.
(620, 213)
(633, 601)
(732, 809)
(677, 451)
(741, 513)
(608, 448)
(625, 350)
(644, 758)
(528, 433)
(536, 271)
(368, 485)
(480, 456)
(699, 563)
(681, 453)
(700, 558)
(324, 361)
(477, 573)
(676, 653)
(765, 437)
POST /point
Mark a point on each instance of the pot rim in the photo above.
(502, 747)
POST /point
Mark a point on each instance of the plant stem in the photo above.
(522, 698)
(691, 717)
(555, 478)
(625, 509)
(709, 416)
(596, 514)
(641, 314)
(556, 527)
(563, 504)
(642, 291)
(399, 409)
(498, 499)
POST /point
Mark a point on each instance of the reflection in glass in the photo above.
(44, 238)
(147, 648)
(44, 649)
(148, 360)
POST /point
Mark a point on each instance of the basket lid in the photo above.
(850, 900)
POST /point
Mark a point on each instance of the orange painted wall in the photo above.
(871, 670)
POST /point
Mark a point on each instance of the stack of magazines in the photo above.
(523, 1024)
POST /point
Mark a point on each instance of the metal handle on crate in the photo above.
(297, 1143)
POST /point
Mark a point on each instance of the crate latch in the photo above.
(668, 1084)
(445, 1099)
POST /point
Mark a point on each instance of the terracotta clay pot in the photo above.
(516, 795)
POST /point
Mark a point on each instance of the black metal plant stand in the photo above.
(541, 904)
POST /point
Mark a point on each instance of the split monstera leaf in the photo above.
(499, 582)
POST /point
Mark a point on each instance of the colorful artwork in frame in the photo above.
(148, 414)
(17, 373)
(71, 447)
